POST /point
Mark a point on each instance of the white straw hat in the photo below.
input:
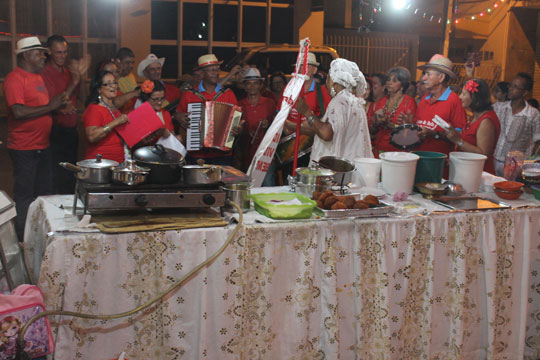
(150, 59)
(28, 43)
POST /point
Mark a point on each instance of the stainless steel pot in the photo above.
(165, 164)
(240, 194)
(307, 180)
(95, 171)
(201, 174)
(314, 176)
(343, 168)
(129, 173)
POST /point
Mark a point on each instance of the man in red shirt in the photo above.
(208, 89)
(64, 137)
(257, 112)
(29, 127)
(440, 100)
(150, 68)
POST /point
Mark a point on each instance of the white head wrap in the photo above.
(347, 74)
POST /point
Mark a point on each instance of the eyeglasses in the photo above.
(157, 99)
(111, 84)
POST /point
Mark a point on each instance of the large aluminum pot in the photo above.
(129, 173)
(165, 164)
(343, 168)
(201, 174)
(95, 171)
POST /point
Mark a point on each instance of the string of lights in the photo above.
(374, 8)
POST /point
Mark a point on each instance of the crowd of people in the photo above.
(342, 113)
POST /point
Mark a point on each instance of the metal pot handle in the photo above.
(70, 167)
(98, 158)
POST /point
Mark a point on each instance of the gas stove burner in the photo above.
(107, 198)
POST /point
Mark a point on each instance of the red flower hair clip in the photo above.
(147, 86)
(471, 86)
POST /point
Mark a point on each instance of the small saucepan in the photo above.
(95, 171)
(129, 173)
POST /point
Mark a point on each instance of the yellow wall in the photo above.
(313, 28)
(135, 28)
(520, 55)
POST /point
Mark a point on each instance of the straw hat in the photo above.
(27, 44)
(440, 63)
(150, 59)
(252, 74)
(207, 60)
(312, 59)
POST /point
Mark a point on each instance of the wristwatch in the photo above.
(310, 119)
(460, 143)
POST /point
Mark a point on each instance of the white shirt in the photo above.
(348, 118)
(518, 132)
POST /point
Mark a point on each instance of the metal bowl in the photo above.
(430, 190)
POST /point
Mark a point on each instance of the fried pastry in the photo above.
(371, 200)
(329, 201)
(338, 205)
(360, 204)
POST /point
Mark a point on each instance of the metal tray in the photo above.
(470, 203)
(382, 210)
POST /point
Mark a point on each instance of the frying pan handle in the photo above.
(70, 167)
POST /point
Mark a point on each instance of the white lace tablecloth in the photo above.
(442, 286)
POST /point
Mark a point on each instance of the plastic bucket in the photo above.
(466, 169)
(367, 172)
(398, 170)
(430, 166)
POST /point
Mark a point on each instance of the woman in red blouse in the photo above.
(483, 128)
(101, 117)
(377, 92)
(387, 109)
(154, 93)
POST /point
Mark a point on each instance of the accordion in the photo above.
(211, 124)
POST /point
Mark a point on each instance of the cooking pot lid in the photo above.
(97, 163)
(314, 172)
(130, 167)
(158, 154)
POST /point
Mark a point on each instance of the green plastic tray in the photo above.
(263, 205)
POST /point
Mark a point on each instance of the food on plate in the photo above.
(349, 201)
(360, 204)
(329, 201)
(371, 200)
(338, 206)
(325, 194)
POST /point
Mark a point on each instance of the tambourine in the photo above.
(406, 136)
